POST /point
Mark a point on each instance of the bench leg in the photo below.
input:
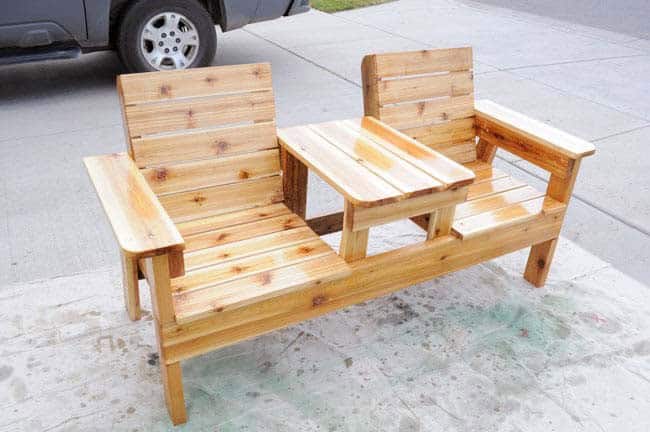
(353, 243)
(131, 287)
(172, 378)
(539, 262)
(440, 222)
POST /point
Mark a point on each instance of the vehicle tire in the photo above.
(165, 35)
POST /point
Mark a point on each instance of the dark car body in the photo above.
(89, 24)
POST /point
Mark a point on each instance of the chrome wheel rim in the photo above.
(169, 40)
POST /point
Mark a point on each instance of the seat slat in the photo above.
(506, 217)
(222, 273)
(171, 178)
(157, 86)
(493, 202)
(252, 289)
(197, 113)
(418, 114)
(215, 200)
(492, 186)
(384, 163)
(425, 87)
(242, 231)
(244, 248)
(212, 223)
(192, 145)
(423, 62)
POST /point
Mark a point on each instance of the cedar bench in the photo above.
(210, 209)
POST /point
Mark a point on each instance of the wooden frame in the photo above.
(159, 202)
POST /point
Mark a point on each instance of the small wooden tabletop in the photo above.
(370, 163)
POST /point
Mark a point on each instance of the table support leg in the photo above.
(440, 222)
(294, 183)
(353, 243)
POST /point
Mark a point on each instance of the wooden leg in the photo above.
(485, 151)
(172, 377)
(294, 183)
(440, 222)
(130, 285)
(353, 243)
(539, 262)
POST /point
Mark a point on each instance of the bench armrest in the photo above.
(139, 221)
(541, 144)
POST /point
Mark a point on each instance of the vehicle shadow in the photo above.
(90, 72)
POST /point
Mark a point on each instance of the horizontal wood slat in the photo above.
(418, 114)
(425, 87)
(222, 199)
(243, 267)
(225, 220)
(453, 131)
(242, 231)
(450, 174)
(384, 163)
(423, 62)
(252, 246)
(493, 186)
(256, 288)
(171, 178)
(184, 114)
(506, 217)
(350, 177)
(187, 146)
(156, 86)
(493, 202)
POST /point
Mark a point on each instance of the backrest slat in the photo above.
(428, 95)
(204, 136)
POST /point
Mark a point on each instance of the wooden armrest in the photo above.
(537, 142)
(139, 221)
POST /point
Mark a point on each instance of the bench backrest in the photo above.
(204, 139)
(428, 95)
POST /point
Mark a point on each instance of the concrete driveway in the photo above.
(476, 350)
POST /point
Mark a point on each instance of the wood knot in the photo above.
(541, 263)
(237, 269)
(210, 79)
(222, 236)
(243, 174)
(199, 199)
(190, 113)
(165, 90)
(421, 107)
(318, 300)
(304, 250)
(265, 278)
(221, 146)
(217, 308)
(224, 255)
(160, 174)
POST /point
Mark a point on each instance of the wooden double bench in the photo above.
(208, 203)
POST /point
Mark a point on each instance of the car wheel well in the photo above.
(118, 7)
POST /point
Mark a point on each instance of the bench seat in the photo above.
(238, 258)
(496, 200)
